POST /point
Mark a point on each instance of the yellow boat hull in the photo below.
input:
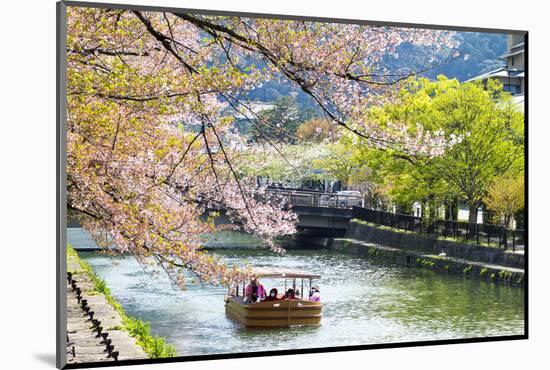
(274, 313)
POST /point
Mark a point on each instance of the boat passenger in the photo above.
(315, 294)
(289, 294)
(254, 292)
(272, 295)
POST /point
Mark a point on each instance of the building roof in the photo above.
(499, 72)
(511, 54)
(515, 46)
(250, 110)
(283, 272)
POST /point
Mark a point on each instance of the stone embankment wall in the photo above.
(98, 329)
(443, 256)
(411, 241)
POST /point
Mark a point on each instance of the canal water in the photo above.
(365, 302)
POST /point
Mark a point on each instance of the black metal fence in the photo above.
(492, 235)
(393, 220)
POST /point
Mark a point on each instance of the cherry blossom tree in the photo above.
(143, 184)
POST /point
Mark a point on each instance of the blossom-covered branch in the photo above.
(136, 80)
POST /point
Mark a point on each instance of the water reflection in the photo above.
(364, 303)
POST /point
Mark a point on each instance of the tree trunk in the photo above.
(472, 219)
(448, 211)
(432, 215)
(472, 216)
(454, 210)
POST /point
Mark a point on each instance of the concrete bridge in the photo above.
(321, 216)
(323, 221)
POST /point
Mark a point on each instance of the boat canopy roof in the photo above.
(281, 272)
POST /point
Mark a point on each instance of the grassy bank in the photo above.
(154, 346)
(460, 239)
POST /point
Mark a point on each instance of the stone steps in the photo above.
(81, 331)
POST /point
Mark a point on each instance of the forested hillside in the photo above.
(479, 53)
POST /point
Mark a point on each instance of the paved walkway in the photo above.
(83, 336)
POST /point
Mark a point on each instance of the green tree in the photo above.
(317, 130)
(484, 123)
(506, 196)
(278, 124)
(339, 163)
(294, 163)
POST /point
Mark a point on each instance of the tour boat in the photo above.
(280, 313)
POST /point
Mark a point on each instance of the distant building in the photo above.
(512, 74)
(249, 112)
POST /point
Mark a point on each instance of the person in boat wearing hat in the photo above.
(315, 294)
(272, 295)
(254, 292)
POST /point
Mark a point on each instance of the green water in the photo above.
(364, 303)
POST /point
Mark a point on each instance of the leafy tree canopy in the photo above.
(482, 122)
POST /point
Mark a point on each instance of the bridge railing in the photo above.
(319, 199)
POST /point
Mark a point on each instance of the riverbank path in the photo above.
(85, 343)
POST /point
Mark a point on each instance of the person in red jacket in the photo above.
(272, 295)
(289, 294)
